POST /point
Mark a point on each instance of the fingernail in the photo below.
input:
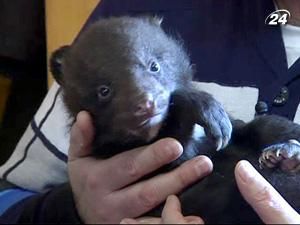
(173, 149)
(246, 171)
(203, 165)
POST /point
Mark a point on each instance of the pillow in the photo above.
(39, 159)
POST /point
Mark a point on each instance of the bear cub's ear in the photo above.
(56, 61)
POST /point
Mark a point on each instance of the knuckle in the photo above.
(265, 198)
(184, 178)
(149, 197)
(92, 181)
(192, 171)
(130, 167)
(158, 153)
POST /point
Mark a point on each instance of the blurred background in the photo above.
(29, 31)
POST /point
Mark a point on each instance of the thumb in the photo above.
(172, 213)
(81, 136)
(263, 198)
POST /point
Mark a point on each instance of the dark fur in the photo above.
(117, 53)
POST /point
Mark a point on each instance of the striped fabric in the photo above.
(39, 160)
(11, 196)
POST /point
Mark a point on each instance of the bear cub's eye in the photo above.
(104, 92)
(154, 67)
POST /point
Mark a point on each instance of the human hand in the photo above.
(105, 190)
(171, 214)
(264, 199)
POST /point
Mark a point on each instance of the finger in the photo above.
(172, 206)
(143, 220)
(145, 195)
(264, 199)
(81, 137)
(172, 213)
(193, 220)
(134, 164)
(156, 220)
(129, 221)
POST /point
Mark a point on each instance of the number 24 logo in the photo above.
(278, 17)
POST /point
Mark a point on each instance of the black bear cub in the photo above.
(136, 82)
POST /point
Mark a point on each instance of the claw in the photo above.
(260, 161)
(219, 144)
(267, 155)
(277, 153)
(225, 142)
(265, 160)
(280, 154)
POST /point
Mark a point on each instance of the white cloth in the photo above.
(291, 40)
(39, 159)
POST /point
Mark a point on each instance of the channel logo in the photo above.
(278, 17)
